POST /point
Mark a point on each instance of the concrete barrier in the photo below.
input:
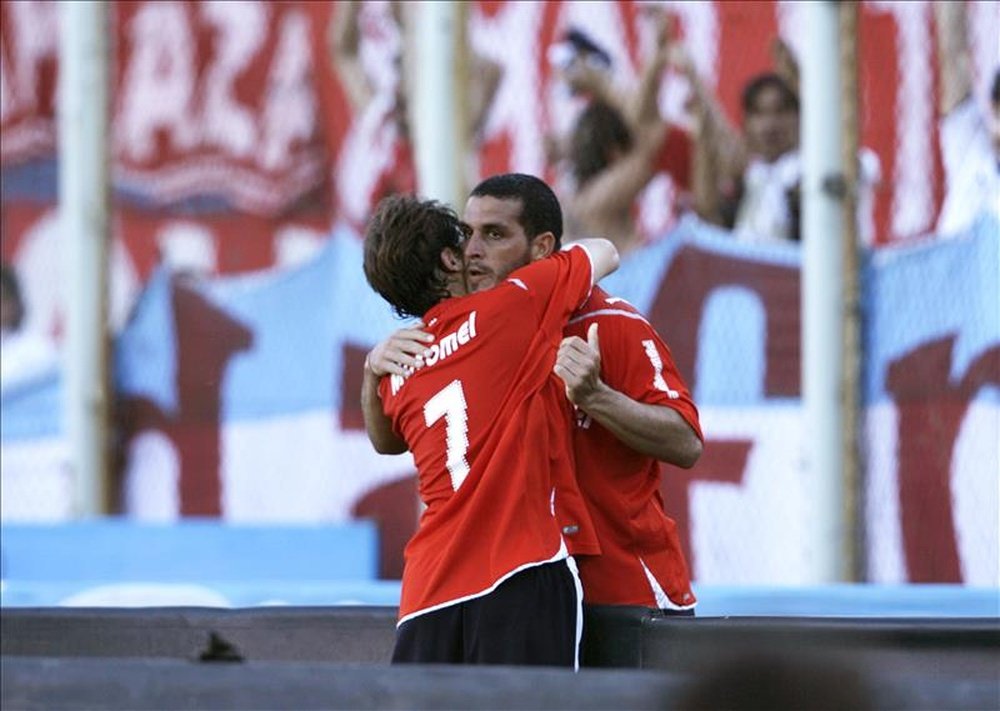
(114, 684)
(156, 684)
(321, 634)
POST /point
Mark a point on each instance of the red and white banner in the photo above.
(236, 151)
(237, 105)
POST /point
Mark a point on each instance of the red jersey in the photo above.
(489, 427)
(641, 562)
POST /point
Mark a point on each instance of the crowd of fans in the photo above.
(743, 178)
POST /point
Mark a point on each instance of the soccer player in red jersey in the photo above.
(488, 577)
(633, 411)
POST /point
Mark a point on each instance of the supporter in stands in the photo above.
(618, 143)
(24, 355)
(632, 411)
(487, 578)
(750, 183)
(768, 205)
(969, 135)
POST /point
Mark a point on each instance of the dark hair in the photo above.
(599, 128)
(540, 210)
(995, 90)
(10, 289)
(404, 240)
(758, 84)
(583, 45)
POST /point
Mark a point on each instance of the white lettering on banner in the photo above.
(241, 28)
(36, 28)
(29, 43)
(290, 111)
(159, 82)
(771, 504)
(437, 352)
(507, 38)
(367, 149)
(699, 22)
(237, 120)
(913, 187)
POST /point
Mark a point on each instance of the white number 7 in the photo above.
(449, 403)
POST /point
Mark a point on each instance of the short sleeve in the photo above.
(642, 367)
(558, 284)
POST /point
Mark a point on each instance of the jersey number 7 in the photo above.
(449, 403)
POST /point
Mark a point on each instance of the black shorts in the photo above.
(532, 618)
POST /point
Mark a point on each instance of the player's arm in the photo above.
(390, 357)
(603, 256)
(654, 430)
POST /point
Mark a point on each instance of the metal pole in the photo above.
(822, 288)
(437, 122)
(84, 214)
(461, 69)
(853, 540)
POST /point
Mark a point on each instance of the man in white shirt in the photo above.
(769, 204)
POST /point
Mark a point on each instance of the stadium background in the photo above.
(234, 150)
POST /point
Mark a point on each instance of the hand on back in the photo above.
(398, 353)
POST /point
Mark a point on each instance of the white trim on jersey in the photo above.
(590, 258)
(561, 554)
(575, 572)
(593, 273)
(663, 601)
(608, 312)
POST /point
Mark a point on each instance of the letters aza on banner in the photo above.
(215, 105)
(239, 398)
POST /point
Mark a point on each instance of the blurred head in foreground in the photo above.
(768, 682)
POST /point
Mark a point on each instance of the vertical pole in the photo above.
(461, 69)
(436, 119)
(853, 540)
(822, 288)
(84, 201)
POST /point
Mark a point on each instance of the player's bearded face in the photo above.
(496, 243)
